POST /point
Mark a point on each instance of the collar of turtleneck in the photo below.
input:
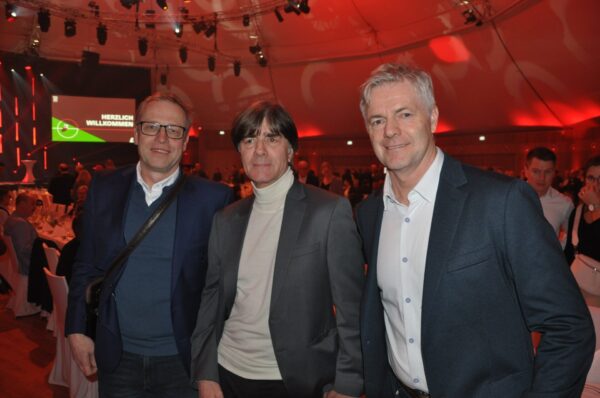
(272, 197)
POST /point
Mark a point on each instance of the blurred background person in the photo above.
(329, 181)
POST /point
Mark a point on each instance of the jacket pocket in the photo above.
(470, 259)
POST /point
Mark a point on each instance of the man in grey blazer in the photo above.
(279, 312)
(462, 268)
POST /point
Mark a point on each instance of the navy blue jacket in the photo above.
(103, 238)
(494, 272)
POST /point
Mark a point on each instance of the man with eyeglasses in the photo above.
(142, 345)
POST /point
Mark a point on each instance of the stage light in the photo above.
(303, 6)
(10, 12)
(212, 63)
(27, 67)
(44, 19)
(199, 26)
(162, 4)
(70, 27)
(262, 61)
(178, 29)
(183, 54)
(471, 17)
(278, 15)
(237, 68)
(101, 34)
(255, 49)
(246, 20)
(129, 3)
(143, 46)
(292, 6)
(211, 30)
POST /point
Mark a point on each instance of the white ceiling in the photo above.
(530, 63)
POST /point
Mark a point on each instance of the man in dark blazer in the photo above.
(148, 308)
(462, 267)
(279, 313)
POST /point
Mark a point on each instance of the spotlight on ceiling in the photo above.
(303, 6)
(10, 12)
(129, 3)
(178, 29)
(237, 68)
(212, 62)
(162, 4)
(70, 27)
(101, 34)
(278, 15)
(292, 6)
(143, 46)
(246, 20)
(262, 61)
(44, 19)
(199, 26)
(210, 30)
(183, 54)
(255, 49)
(471, 17)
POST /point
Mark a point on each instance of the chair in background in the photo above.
(18, 301)
(65, 371)
(52, 256)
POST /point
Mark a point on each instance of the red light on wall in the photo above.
(449, 49)
(34, 136)
(18, 157)
(27, 67)
(16, 106)
(45, 158)
(16, 131)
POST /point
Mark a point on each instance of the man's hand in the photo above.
(82, 348)
(334, 394)
(209, 389)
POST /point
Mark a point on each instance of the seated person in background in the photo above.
(21, 231)
(540, 169)
(61, 184)
(4, 202)
(69, 250)
(583, 239)
(80, 196)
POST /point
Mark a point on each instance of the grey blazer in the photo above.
(318, 265)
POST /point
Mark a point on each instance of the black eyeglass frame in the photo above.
(162, 126)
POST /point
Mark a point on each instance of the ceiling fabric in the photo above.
(519, 64)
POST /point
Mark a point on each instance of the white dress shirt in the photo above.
(154, 192)
(557, 210)
(401, 271)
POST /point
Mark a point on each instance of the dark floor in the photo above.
(26, 355)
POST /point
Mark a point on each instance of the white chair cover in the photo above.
(52, 256)
(18, 301)
(65, 371)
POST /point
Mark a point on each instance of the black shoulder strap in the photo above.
(144, 229)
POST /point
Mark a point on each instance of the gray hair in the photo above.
(395, 73)
(172, 98)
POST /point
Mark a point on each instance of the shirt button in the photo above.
(411, 340)
(404, 259)
(416, 381)
(407, 219)
(407, 299)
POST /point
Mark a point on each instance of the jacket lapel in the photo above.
(447, 212)
(293, 214)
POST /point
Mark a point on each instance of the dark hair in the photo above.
(541, 153)
(3, 193)
(248, 123)
(593, 162)
(168, 97)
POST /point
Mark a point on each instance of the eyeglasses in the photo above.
(270, 139)
(592, 179)
(172, 130)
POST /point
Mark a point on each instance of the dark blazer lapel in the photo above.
(293, 214)
(234, 233)
(447, 211)
(183, 224)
